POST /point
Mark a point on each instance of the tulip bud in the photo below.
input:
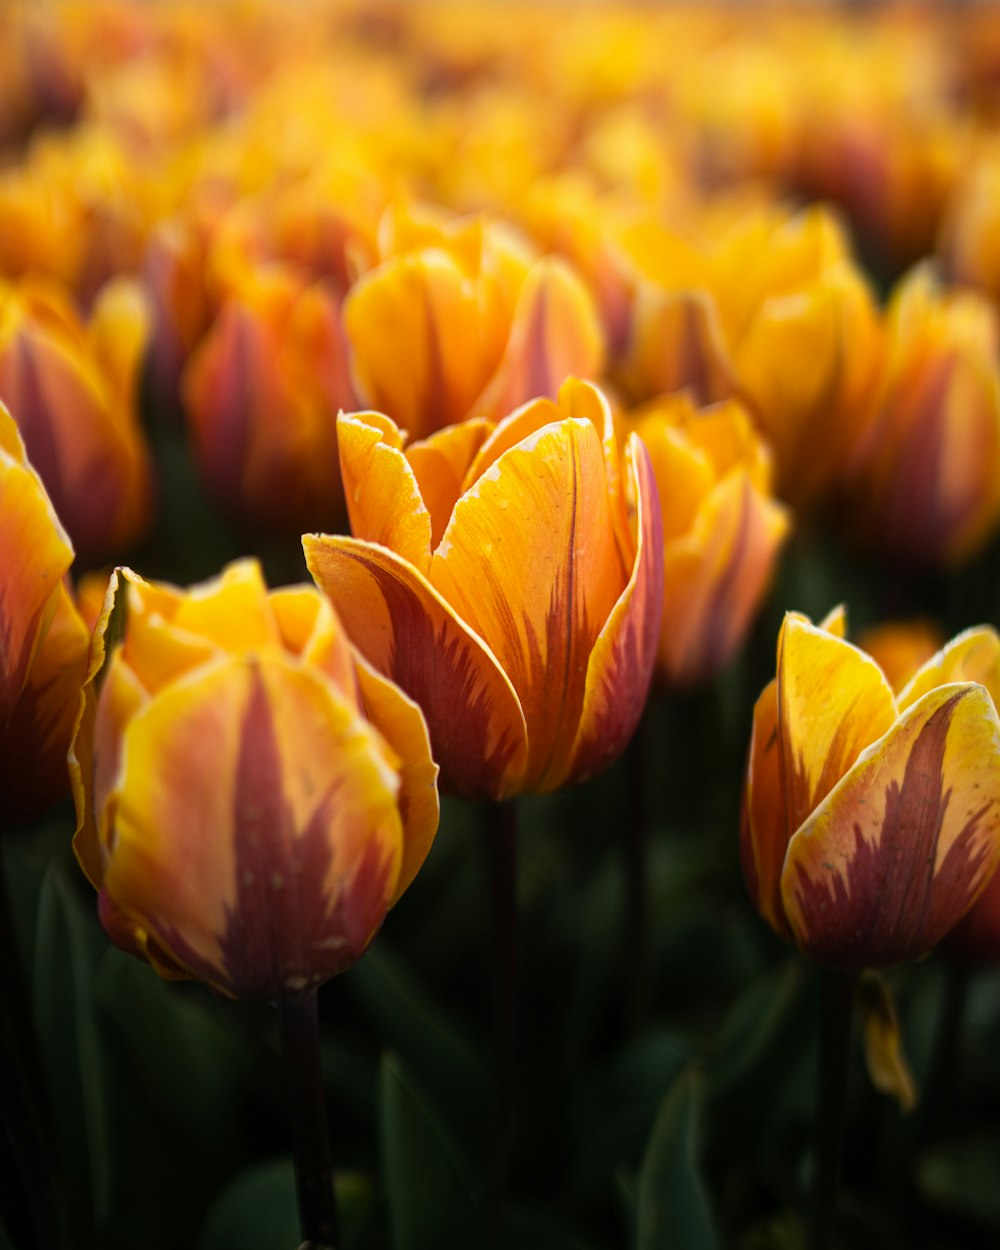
(722, 531)
(871, 822)
(509, 578)
(251, 798)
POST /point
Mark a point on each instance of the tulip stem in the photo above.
(946, 1046)
(22, 1095)
(299, 1024)
(635, 866)
(501, 834)
(837, 1002)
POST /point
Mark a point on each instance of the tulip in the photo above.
(470, 325)
(73, 391)
(871, 822)
(925, 485)
(722, 531)
(509, 578)
(261, 393)
(43, 659)
(900, 648)
(251, 797)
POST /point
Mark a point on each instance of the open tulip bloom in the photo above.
(871, 821)
(509, 578)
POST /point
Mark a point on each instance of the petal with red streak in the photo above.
(406, 630)
(898, 851)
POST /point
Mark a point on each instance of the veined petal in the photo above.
(258, 839)
(440, 464)
(531, 563)
(899, 850)
(973, 655)
(403, 627)
(621, 663)
(401, 722)
(383, 498)
(763, 826)
(715, 578)
(833, 701)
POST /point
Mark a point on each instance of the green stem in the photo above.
(635, 869)
(22, 1096)
(837, 1001)
(501, 835)
(299, 1025)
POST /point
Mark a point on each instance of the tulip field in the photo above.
(499, 625)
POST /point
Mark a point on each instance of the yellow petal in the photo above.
(401, 722)
(833, 701)
(899, 850)
(973, 655)
(763, 823)
(530, 562)
(256, 835)
(621, 663)
(715, 578)
(383, 498)
(884, 1058)
(403, 627)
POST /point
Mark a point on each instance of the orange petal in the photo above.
(677, 345)
(440, 464)
(34, 554)
(256, 835)
(973, 655)
(530, 562)
(833, 701)
(763, 825)
(715, 578)
(898, 851)
(401, 722)
(405, 629)
(311, 630)
(383, 498)
(33, 745)
(621, 663)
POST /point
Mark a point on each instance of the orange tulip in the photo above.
(73, 390)
(871, 821)
(722, 531)
(261, 394)
(43, 657)
(899, 648)
(926, 483)
(509, 577)
(468, 325)
(251, 797)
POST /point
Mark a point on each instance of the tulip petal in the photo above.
(311, 630)
(531, 563)
(763, 826)
(973, 655)
(899, 850)
(257, 836)
(403, 627)
(383, 498)
(715, 578)
(833, 701)
(440, 464)
(401, 722)
(621, 663)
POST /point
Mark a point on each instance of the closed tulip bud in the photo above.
(73, 390)
(722, 531)
(470, 326)
(251, 797)
(871, 821)
(510, 579)
(261, 395)
(925, 488)
(43, 657)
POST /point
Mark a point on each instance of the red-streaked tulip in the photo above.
(871, 822)
(722, 531)
(43, 656)
(73, 390)
(510, 579)
(251, 796)
(925, 487)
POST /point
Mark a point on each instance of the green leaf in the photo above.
(67, 947)
(673, 1206)
(426, 1178)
